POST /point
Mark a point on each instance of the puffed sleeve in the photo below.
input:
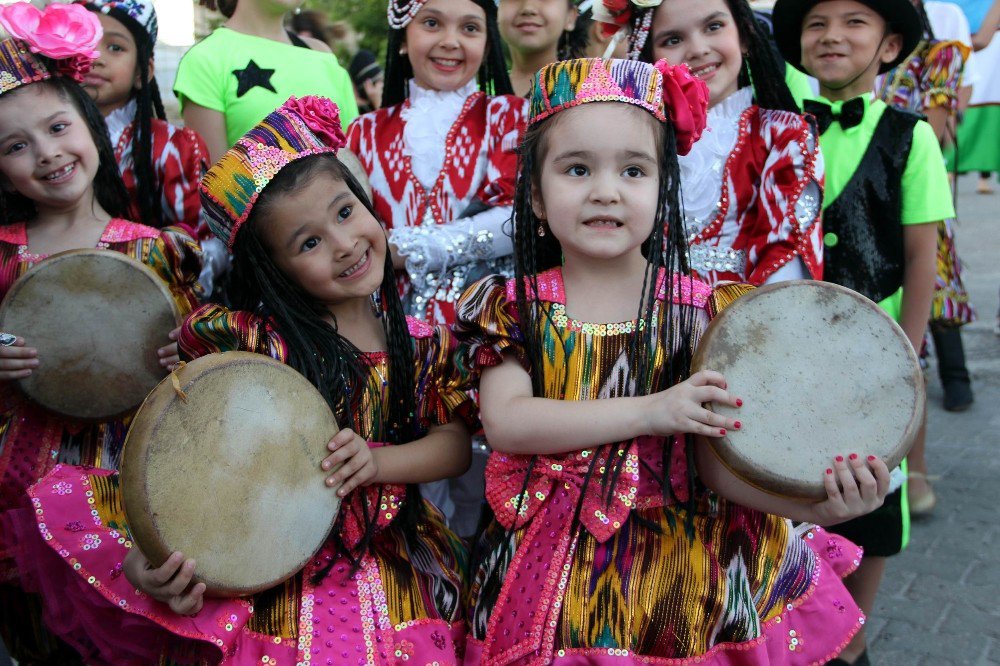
(181, 163)
(487, 325)
(942, 74)
(790, 197)
(442, 378)
(213, 328)
(506, 116)
(176, 257)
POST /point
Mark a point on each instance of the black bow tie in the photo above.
(851, 113)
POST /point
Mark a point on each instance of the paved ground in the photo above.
(938, 603)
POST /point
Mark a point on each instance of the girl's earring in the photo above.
(541, 230)
(376, 299)
(402, 50)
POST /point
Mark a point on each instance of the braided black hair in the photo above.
(328, 360)
(492, 76)
(762, 66)
(665, 250)
(109, 190)
(148, 105)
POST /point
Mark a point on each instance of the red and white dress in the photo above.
(442, 167)
(752, 189)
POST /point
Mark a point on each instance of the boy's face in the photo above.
(843, 44)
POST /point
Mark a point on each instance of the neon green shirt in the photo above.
(798, 84)
(245, 77)
(926, 197)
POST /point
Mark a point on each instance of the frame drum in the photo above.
(823, 371)
(97, 318)
(222, 462)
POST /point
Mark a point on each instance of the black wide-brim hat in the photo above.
(900, 16)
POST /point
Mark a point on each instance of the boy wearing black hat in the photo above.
(886, 190)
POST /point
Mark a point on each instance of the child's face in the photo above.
(445, 43)
(598, 189)
(323, 238)
(46, 150)
(115, 73)
(703, 35)
(534, 26)
(843, 44)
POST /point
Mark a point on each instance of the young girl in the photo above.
(388, 586)
(160, 164)
(246, 68)
(606, 547)
(441, 153)
(752, 185)
(536, 32)
(61, 191)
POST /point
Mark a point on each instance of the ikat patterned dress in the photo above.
(637, 579)
(403, 605)
(929, 79)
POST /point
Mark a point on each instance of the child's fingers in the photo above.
(708, 378)
(706, 394)
(190, 602)
(343, 437)
(715, 421)
(848, 483)
(18, 350)
(7, 375)
(181, 581)
(705, 430)
(339, 455)
(162, 574)
(363, 475)
(832, 488)
(350, 466)
(881, 472)
(167, 350)
(867, 485)
(174, 334)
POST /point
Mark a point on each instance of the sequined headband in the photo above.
(668, 92)
(60, 40)
(298, 128)
(570, 83)
(140, 11)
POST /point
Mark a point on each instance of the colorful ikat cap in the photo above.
(139, 11)
(60, 40)
(298, 128)
(670, 93)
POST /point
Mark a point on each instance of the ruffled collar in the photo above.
(702, 168)
(118, 120)
(438, 100)
(429, 116)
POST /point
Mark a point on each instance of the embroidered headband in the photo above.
(298, 128)
(140, 11)
(60, 40)
(631, 19)
(668, 92)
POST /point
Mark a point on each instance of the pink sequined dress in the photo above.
(402, 604)
(644, 575)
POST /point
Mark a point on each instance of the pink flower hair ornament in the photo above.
(685, 97)
(66, 34)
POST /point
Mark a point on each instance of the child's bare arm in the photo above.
(517, 422)
(865, 482)
(920, 248)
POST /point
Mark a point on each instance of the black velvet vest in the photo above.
(864, 223)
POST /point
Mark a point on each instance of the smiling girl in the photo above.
(537, 33)
(60, 191)
(441, 154)
(752, 186)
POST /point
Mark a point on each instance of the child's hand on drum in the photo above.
(169, 356)
(854, 487)
(679, 409)
(16, 360)
(359, 466)
(170, 583)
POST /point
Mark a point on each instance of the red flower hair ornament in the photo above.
(685, 97)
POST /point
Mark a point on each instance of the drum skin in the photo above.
(822, 371)
(97, 319)
(224, 466)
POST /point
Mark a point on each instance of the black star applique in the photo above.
(252, 76)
